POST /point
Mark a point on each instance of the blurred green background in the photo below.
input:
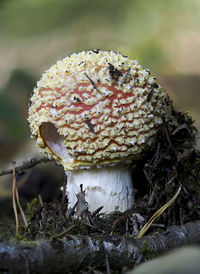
(163, 35)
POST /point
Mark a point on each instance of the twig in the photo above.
(89, 124)
(70, 211)
(92, 270)
(158, 225)
(94, 227)
(26, 165)
(126, 75)
(153, 187)
(167, 133)
(127, 214)
(40, 200)
(94, 213)
(152, 196)
(93, 83)
(147, 176)
(171, 180)
(63, 232)
(157, 154)
(13, 197)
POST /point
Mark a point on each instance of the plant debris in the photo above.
(92, 253)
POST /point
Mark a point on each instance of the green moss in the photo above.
(20, 237)
(128, 236)
(7, 231)
(30, 208)
(146, 251)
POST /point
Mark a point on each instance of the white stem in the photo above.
(110, 187)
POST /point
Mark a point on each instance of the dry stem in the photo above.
(13, 197)
(26, 165)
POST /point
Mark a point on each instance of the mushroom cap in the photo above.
(96, 107)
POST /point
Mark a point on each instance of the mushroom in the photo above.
(94, 112)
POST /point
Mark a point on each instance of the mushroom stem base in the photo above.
(110, 187)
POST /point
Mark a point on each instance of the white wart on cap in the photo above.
(92, 109)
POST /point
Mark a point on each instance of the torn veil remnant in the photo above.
(94, 112)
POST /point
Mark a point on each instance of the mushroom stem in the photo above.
(109, 186)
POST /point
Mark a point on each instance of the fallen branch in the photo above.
(26, 165)
(74, 252)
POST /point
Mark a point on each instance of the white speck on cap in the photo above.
(53, 112)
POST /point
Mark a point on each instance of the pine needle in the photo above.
(156, 215)
(13, 198)
(20, 209)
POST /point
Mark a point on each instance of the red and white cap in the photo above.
(94, 108)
